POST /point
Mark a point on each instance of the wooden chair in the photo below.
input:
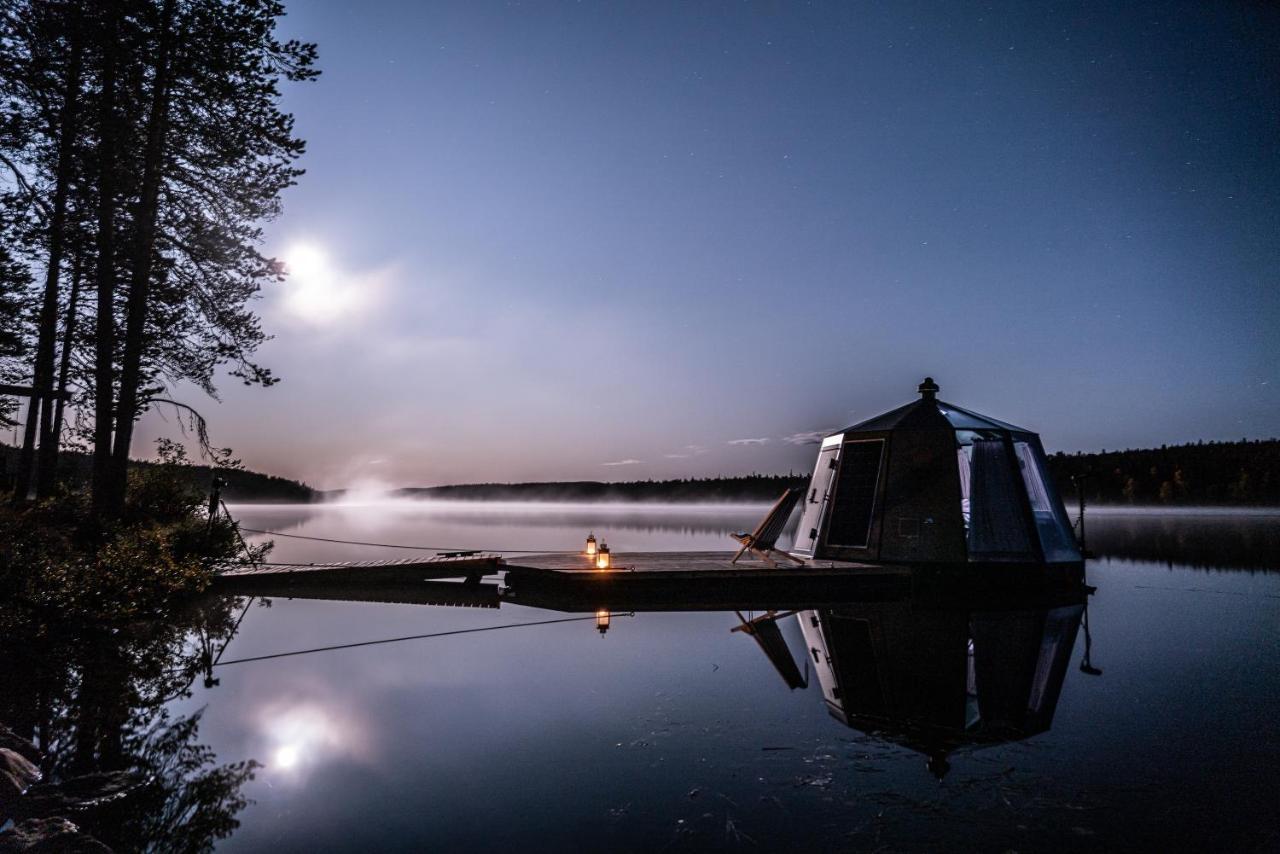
(761, 541)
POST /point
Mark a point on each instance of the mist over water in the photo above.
(507, 526)
(1203, 538)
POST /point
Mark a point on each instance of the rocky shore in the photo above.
(34, 815)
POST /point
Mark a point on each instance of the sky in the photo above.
(618, 241)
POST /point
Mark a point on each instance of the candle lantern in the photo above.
(602, 556)
(591, 544)
(602, 620)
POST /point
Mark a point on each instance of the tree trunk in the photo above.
(144, 251)
(104, 338)
(40, 412)
(64, 370)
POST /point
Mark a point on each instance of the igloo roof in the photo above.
(929, 413)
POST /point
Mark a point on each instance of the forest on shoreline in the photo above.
(1244, 473)
(1222, 474)
(75, 471)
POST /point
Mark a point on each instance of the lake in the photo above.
(965, 728)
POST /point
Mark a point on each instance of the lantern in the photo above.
(602, 556)
(602, 620)
(591, 544)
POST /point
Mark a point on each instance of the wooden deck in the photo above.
(683, 562)
(677, 581)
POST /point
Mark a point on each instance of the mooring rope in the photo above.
(413, 637)
(411, 548)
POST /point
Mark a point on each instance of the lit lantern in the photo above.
(602, 620)
(591, 544)
(602, 557)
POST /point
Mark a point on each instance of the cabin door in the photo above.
(818, 496)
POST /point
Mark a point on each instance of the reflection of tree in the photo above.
(118, 763)
(187, 801)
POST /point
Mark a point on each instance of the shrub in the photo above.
(55, 559)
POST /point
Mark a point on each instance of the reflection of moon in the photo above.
(304, 735)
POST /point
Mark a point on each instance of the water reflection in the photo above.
(1208, 540)
(407, 725)
(939, 680)
(931, 679)
(115, 758)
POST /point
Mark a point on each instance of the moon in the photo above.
(313, 286)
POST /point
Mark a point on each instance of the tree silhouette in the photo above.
(145, 146)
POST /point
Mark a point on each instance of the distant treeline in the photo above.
(1244, 473)
(75, 470)
(756, 487)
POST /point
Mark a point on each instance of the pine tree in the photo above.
(144, 146)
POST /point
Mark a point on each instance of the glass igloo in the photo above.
(931, 482)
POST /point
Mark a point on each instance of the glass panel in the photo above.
(855, 496)
(1059, 639)
(815, 500)
(997, 527)
(965, 420)
(1056, 537)
(962, 459)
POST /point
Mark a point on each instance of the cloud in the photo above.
(764, 441)
(676, 456)
(623, 463)
(809, 437)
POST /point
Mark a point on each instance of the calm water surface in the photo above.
(670, 732)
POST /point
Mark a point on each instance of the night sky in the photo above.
(619, 241)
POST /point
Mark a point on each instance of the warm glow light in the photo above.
(602, 620)
(591, 545)
(602, 557)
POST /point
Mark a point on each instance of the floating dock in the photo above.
(643, 581)
(309, 580)
(693, 581)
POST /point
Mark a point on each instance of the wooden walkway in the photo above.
(356, 573)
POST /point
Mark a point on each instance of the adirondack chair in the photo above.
(761, 541)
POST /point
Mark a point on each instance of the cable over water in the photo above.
(411, 548)
(414, 637)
